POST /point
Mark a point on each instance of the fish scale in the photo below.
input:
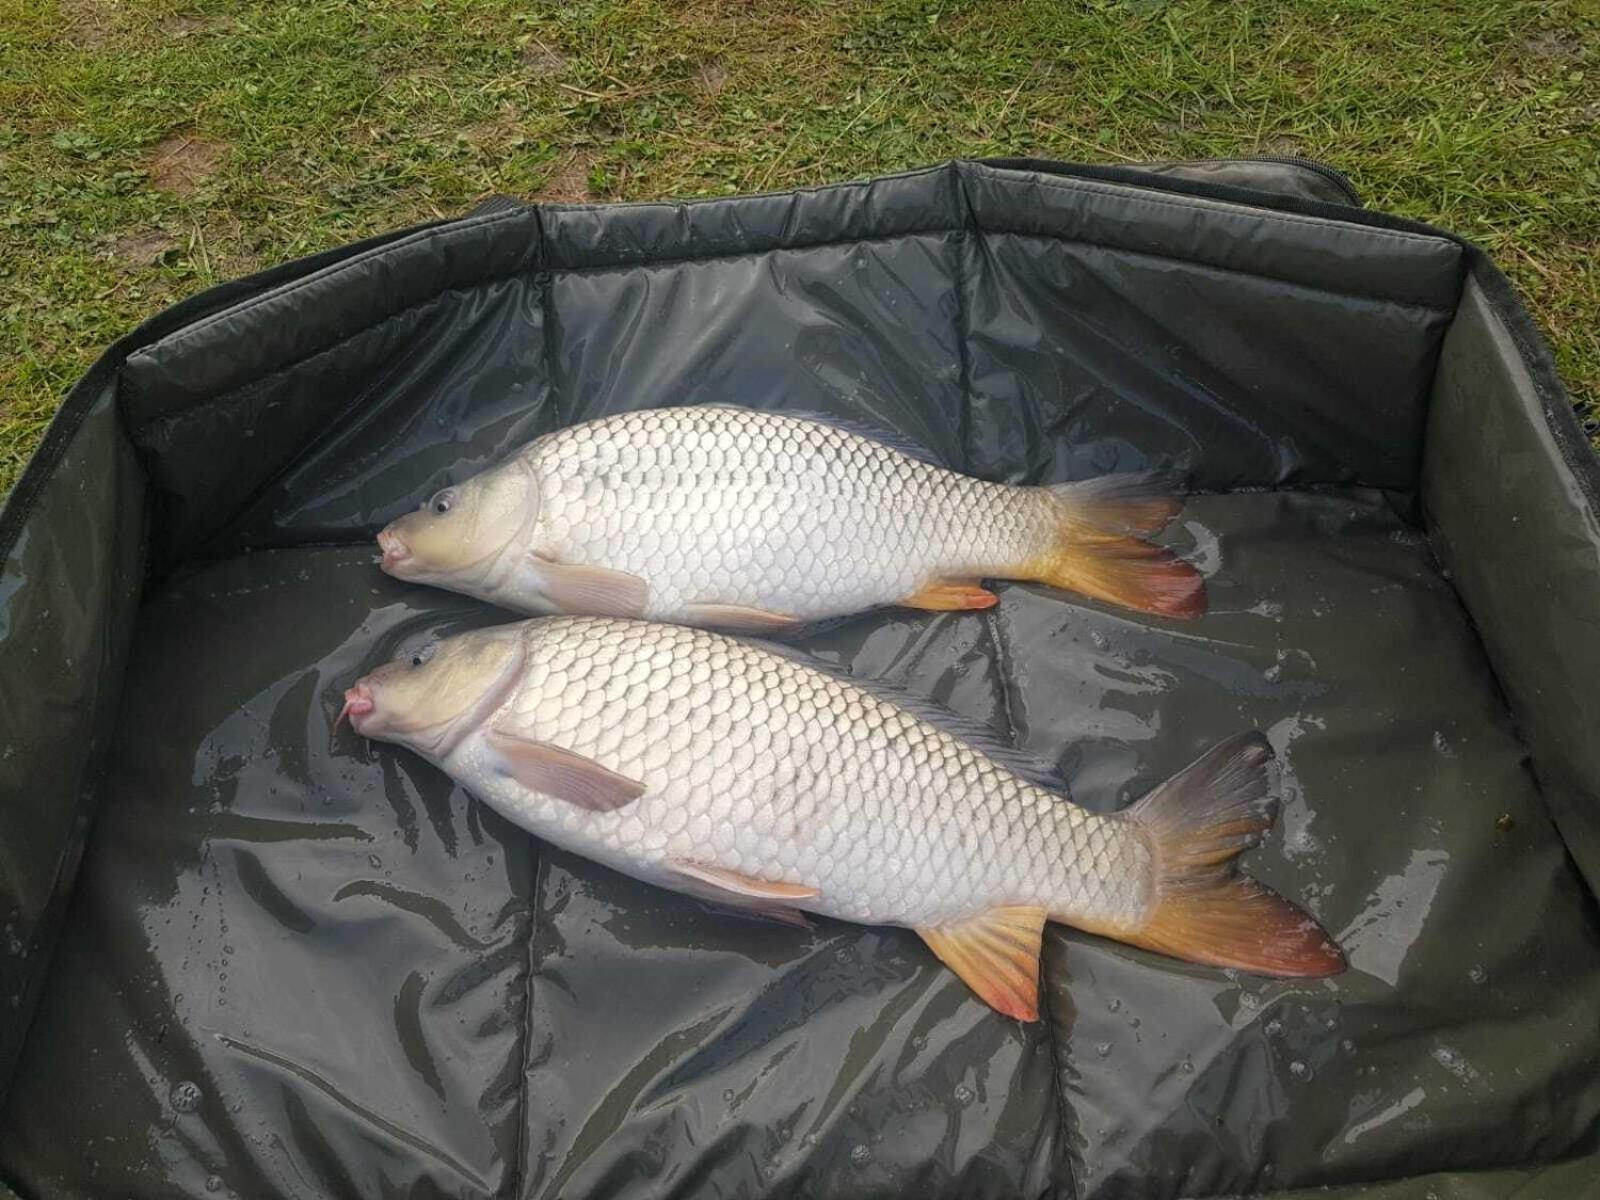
(719, 505)
(778, 771)
(719, 767)
(757, 521)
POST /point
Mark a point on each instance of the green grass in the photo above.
(149, 148)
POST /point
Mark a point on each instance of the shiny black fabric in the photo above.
(298, 965)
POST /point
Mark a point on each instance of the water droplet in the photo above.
(374, 861)
(1113, 1004)
(1330, 1023)
(227, 949)
(918, 1042)
(213, 1183)
(1133, 1022)
(1102, 1049)
(1186, 1066)
(964, 1094)
(861, 1155)
(1299, 1070)
(1476, 973)
(1347, 1046)
(1274, 1028)
(727, 1095)
(185, 1096)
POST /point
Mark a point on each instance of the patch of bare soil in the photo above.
(711, 77)
(1554, 43)
(182, 162)
(569, 182)
(144, 249)
(89, 24)
(540, 59)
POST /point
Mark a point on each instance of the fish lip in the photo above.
(358, 704)
(394, 550)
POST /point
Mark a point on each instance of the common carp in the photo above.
(762, 522)
(739, 774)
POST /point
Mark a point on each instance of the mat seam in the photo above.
(970, 235)
(244, 390)
(519, 1170)
(519, 1167)
(423, 236)
(1130, 191)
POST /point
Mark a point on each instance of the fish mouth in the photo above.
(358, 705)
(394, 550)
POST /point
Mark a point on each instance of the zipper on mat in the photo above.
(1338, 178)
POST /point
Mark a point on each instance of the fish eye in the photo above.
(420, 655)
(441, 502)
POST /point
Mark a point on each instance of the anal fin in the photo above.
(950, 596)
(739, 888)
(996, 954)
(739, 618)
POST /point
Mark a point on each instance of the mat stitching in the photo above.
(1131, 194)
(244, 390)
(519, 1167)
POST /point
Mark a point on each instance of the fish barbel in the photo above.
(738, 774)
(762, 522)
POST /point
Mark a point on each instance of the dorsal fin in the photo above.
(905, 444)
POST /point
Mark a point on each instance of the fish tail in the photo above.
(1203, 909)
(1096, 544)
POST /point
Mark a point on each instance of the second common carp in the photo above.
(728, 770)
(762, 522)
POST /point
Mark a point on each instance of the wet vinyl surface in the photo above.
(298, 965)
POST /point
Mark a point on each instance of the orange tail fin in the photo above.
(1198, 823)
(1100, 549)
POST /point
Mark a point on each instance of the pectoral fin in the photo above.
(552, 771)
(951, 595)
(738, 887)
(737, 618)
(997, 955)
(593, 591)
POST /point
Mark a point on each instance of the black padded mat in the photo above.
(301, 966)
(329, 971)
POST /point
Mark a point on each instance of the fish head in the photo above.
(432, 696)
(461, 530)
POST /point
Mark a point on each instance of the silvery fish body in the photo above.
(755, 763)
(761, 521)
(711, 765)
